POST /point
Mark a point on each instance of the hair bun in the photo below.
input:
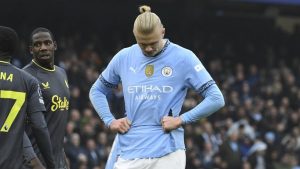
(144, 8)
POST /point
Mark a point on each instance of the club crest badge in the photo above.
(149, 70)
(167, 71)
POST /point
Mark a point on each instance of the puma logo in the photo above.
(132, 69)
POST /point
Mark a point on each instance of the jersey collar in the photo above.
(164, 48)
(4, 62)
(50, 70)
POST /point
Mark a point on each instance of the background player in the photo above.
(55, 91)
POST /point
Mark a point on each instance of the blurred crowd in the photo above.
(257, 71)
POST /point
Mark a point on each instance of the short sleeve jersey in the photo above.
(19, 94)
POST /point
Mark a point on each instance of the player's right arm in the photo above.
(41, 134)
(97, 95)
(29, 155)
(108, 80)
(37, 121)
(98, 98)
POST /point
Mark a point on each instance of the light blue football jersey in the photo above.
(153, 86)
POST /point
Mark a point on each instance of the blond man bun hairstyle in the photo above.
(145, 22)
(144, 8)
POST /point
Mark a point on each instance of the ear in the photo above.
(55, 45)
(163, 31)
(30, 50)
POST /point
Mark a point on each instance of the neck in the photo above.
(46, 65)
(162, 45)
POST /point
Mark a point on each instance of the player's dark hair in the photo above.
(40, 29)
(8, 42)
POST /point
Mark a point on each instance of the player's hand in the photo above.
(36, 164)
(120, 125)
(170, 123)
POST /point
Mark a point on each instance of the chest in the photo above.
(152, 79)
(150, 73)
(53, 85)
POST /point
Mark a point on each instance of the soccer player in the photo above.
(155, 74)
(19, 95)
(55, 91)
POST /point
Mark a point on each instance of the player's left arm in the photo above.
(212, 102)
(200, 80)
